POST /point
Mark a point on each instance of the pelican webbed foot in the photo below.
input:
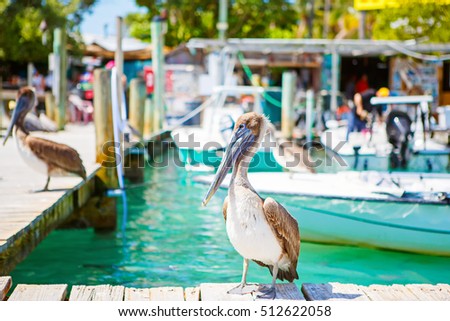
(266, 292)
(243, 288)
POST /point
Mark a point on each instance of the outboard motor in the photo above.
(398, 130)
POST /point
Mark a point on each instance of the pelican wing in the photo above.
(57, 156)
(285, 228)
(225, 208)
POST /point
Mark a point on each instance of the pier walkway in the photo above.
(26, 217)
(218, 292)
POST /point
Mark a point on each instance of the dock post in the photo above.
(158, 69)
(104, 133)
(137, 104)
(50, 106)
(148, 119)
(135, 159)
(59, 76)
(287, 104)
(106, 214)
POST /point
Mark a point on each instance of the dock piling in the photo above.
(287, 104)
(137, 104)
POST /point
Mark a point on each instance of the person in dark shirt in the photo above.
(364, 111)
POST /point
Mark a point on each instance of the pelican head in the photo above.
(246, 138)
(26, 101)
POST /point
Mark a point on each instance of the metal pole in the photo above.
(287, 104)
(118, 56)
(158, 69)
(310, 6)
(222, 25)
(326, 18)
(362, 25)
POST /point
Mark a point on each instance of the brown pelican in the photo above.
(44, 156)
(259, 229)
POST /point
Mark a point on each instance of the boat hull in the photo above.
(420, 228)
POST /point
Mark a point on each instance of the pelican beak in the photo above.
(240, 142)
(21, 107)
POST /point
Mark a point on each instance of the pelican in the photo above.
(259, 229)
(45, 156)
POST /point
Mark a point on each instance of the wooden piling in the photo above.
(104, 133)
(137, 104)
(148, 119)
(287, 104)
(50, 106)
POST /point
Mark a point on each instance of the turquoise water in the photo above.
(166, 238)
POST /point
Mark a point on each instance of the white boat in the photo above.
(398, 211)
(375, 151)
(203, 146)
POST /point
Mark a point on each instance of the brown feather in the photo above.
(225, 208)
(285, 229)
(57, 156)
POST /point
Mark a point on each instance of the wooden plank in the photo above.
(5, 285)
(167, 294)
(286, 291)
(133, 294)
(428, 292)
(389, 293)
(34, 292)
(333, 291)
(218, 292)
(192, 294)
(97, 293)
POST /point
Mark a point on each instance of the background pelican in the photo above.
(45, 156)
(259, 229)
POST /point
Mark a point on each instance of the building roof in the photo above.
(344, 47)
(101, 46)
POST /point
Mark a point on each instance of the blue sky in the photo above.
(105, 12)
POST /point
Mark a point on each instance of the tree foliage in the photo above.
(246, 19)
(198, 18)
(21, 25)
(414, 20)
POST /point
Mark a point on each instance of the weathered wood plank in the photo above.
(97, 293)
(133, 294)
(428, 292)
(287, 291)
(389, 293)
(5, 285)
(192, 294)
(167, 294)
(34, 292)
(333, 291)
(218, 292)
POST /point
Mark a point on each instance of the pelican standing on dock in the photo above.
(45, 156)
(259, 229)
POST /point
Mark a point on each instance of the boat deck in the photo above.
(26, 217)
(218, 292)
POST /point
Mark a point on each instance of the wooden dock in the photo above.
(26, 217)
(218, 292)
